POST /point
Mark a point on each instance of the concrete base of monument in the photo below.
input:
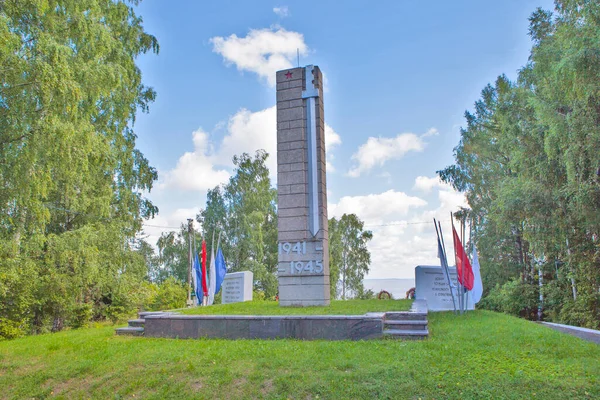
(398, 325)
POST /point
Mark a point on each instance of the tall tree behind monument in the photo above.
(243, 211)
(303, 267)
(350, 257)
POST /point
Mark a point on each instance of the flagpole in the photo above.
(460, 286)
(462, 243)
(454, 288)
(444, 261)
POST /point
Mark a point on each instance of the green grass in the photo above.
(337, 307)
(481, 355)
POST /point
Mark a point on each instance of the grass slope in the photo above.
(337, 307)
(481, 355)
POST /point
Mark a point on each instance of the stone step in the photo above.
(405, 325)
(406, 334)
(405, 315)
(130, 331)
(142, 314)
(137, 323)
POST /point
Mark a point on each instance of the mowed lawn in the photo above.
(481, 355)
(337, 307)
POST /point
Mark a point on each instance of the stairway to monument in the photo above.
(407, 324)
(136, 326)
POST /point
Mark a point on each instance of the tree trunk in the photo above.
(573, 287)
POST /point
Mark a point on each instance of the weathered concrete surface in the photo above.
(590, 335)
(305, 327)
(305, 255)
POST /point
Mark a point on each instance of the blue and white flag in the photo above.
(221, 269)
(197, 279)
(477, 290)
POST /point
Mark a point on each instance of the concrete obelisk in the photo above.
(303, 264)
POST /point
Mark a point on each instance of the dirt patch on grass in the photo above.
(267, 387)
(83, 385)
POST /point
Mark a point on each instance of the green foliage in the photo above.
(349, 257)
(243, 212)
(171, 294)
(514, 298)
(528, 161)
(72, 179)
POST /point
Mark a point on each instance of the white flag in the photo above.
(212, 283)
(477, 290)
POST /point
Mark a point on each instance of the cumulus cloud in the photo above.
(167, 222)
(261, 51)
(332, 140)
(250, 131)
(377, 151)
(376, 208)
(245, 132)
(402, 226)
(196, 170)
(425, 184)
(282, 11)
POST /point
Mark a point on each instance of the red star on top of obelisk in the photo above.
(288, 75)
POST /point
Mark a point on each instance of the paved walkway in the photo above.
(590, 335)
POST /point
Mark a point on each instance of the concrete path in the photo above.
(590, 335)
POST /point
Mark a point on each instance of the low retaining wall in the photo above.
(305, 327)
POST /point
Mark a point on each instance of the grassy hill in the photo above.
(480, 355)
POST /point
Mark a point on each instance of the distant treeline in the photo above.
(529, 162)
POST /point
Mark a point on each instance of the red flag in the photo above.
(463, 265)
(204, 284)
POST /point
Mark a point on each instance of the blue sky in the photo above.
(399, 76)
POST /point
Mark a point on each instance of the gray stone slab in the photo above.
(590, 335)
(211, 328)
(431, 286)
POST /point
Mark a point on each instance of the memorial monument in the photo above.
(237, 287)
(430, 285)
(303, 262)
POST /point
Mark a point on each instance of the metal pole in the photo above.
(444, 262)
(189, 280)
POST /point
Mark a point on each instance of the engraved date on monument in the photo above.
(287, 248)
(311, 267)
(298, 250)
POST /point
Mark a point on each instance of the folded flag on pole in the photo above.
(463, 266)
(204, 283)
(197, 279)
(477, 290)
(221, 268)
(212, 283)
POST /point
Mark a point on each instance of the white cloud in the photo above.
(196, 170)
(208, 165)
(167, 222)
(332, 140)
(376, 208)
(377, 151)
(262, 51)
(425, 184)
(250, 131)
(282, 11)
(431, 132)
(402, 226)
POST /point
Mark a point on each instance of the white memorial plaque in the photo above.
(237, 287)
(430, 285)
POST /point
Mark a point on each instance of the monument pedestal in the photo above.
(303, 263)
